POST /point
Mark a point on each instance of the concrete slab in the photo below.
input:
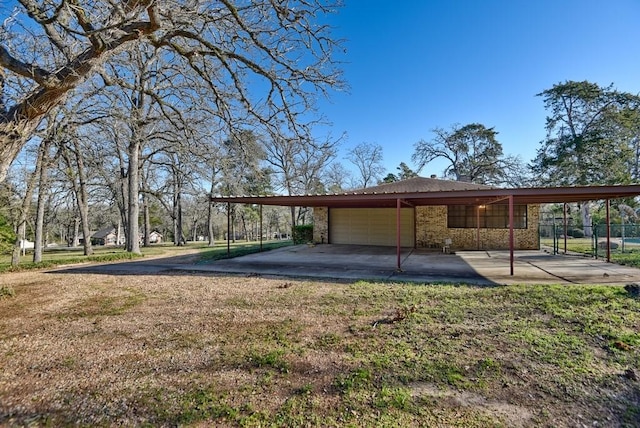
(353, 262)
(543, 268)
(473, 267)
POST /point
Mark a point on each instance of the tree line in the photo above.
(592, 138)
(132, 112)
(135, 104)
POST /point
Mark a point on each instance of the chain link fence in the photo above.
(624, 238)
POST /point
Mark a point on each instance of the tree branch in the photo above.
(30, 71)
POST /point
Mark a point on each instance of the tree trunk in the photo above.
(83, 202)
(146, 221)
(133, 212)
(293, 217)
(174, 219)
(79, 181)
(38, 241)
(585, 211)
(233, 224)
(179, 230)
(43, 188)
(178, 234)
(21, 223)
(210, 227)
(122, 199)
(17, 248)
(84, 220)
(119, 233)
(244, 227)
(76, 232)
(121, 192)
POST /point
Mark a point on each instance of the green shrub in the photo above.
(6, 291)
(7, 237)
(303, 234)
(577, 233)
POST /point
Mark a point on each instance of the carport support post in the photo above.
(511, 233)
(564, 215)
(478, 226)
(608, 235)
(260, 231)
(228, 229)
(398, 231)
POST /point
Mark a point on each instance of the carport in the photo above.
(476, 197)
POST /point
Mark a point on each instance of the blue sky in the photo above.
(414, 65)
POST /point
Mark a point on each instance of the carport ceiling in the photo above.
(521, 196)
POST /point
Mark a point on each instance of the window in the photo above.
(491, 216)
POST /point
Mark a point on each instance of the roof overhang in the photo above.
(521, 196)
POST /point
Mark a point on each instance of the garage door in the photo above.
(359, 226)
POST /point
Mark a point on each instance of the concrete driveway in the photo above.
(379, 263)
(353, 262)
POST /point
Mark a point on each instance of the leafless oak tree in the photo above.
(298, 164)
(263, 60)
(367, 158)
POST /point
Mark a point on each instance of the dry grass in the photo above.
(101, 350)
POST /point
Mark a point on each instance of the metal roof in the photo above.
(422, 184)
(365, 198)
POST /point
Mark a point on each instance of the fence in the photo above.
(625, 238)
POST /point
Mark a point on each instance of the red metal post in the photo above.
(260, 228)
(564, 214)
(398, 243)
(478, 226)
(608, 235)
(511, 233)
(415, 232)
(228, 229)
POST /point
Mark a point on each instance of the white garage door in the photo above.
(361, 226)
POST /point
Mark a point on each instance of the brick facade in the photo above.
(432, 230)
(321, 225)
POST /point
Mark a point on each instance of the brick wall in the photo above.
(320, 225)
(432, 230)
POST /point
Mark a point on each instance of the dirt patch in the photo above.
(513, 415)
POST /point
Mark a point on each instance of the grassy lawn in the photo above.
(66, 255)
(195, 350)
(630, 256)
(239, 249)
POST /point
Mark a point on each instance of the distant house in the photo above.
(155, 237)
(26, 245)
(106, 236)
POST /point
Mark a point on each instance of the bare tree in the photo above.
(336, 177)
(260, 59)
(76, 39)
(23, 210)
(298, 165)
(73, 155)
(43, 189)
(367, 158)
(138, 114)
